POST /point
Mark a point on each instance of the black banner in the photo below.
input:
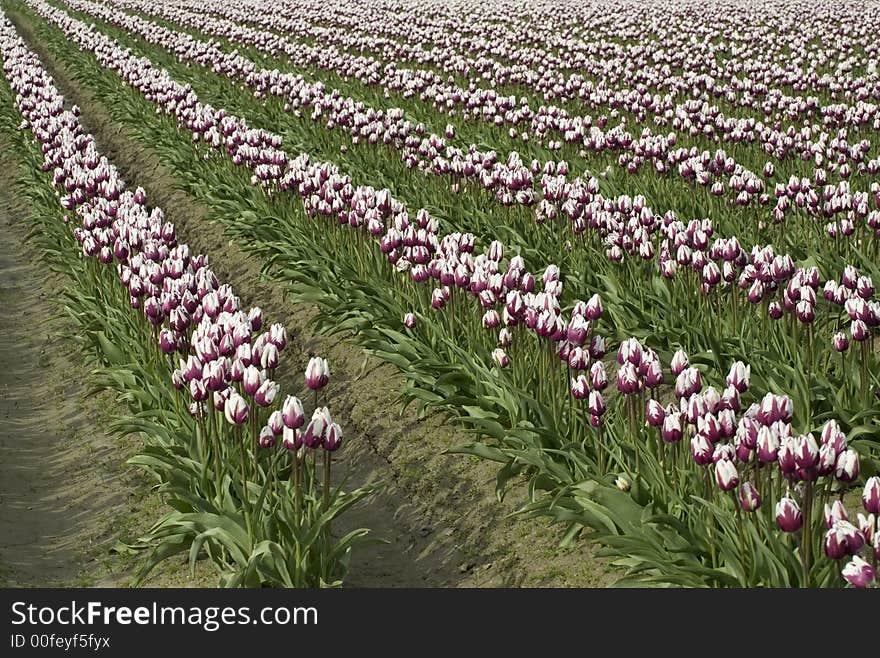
(118, 622)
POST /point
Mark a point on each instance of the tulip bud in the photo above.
(251, 380)
(597, 347)
(236, 409)
(314, 435)
(843, 538)
(499, 356)
(596, 404)
(409, 321)
(654, 414)
(871, 495)
(847, 467)
(671, 429)
(598, 376)
(292, 412)
(580, 389)
(265, 395)
(679, 362)
(269, 358)
(738, 377)
(749, 498)
(859, 573)
(622, 484)
(267, 438)
(333, 438)
(701, 450)
(726, 475)
(834, 512)
(276, 422)
(291, 439)
(654, 374)
(317, 373)
(594, 308)
(788, 515)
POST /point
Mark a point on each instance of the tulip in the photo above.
(317, 373)
(598, 377)
(266, 394)
(859, 573)
(578, 359)
(267, 438)
(314, 435)
(749, 498)
(628, 381)
(595, 404)
(255, 318)
(251, 380)
(871, 495)
(788, 515)
(278, 336)
(688, 383)
(834, 512)
(654, 374)
(738, 377)
(220, 398)
(499, 356)
(622, 484)
(843, 538)
(269, 358)
(701, 450)
(491, 319)
(654, 414)
(580, 388)
(671, 429)
(594, 308)
(840, 342)
(847, 467)
(291, 439)
(276, 422)
(292, 412)
(806, 451)
(236, 409)
(726, 475)
(409, 321)
(333, 438)
(679, 362)
(867, 526)
(597, 347)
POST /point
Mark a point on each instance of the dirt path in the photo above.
(438, 512)
(61, 481)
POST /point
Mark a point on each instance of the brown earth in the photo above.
(66, 495)
(438, 512)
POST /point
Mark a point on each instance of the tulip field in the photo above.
(627, 249)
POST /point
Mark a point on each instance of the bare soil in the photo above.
(437, 512)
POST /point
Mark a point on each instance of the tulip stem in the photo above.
(245, 503)
(296, 477)
(327, 482)
(806, 536)
(742, 541)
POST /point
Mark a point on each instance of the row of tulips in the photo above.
(253, 465)
(558, 58)
(513, 181)
(615, 96)
(613, 450)
(627, 225)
